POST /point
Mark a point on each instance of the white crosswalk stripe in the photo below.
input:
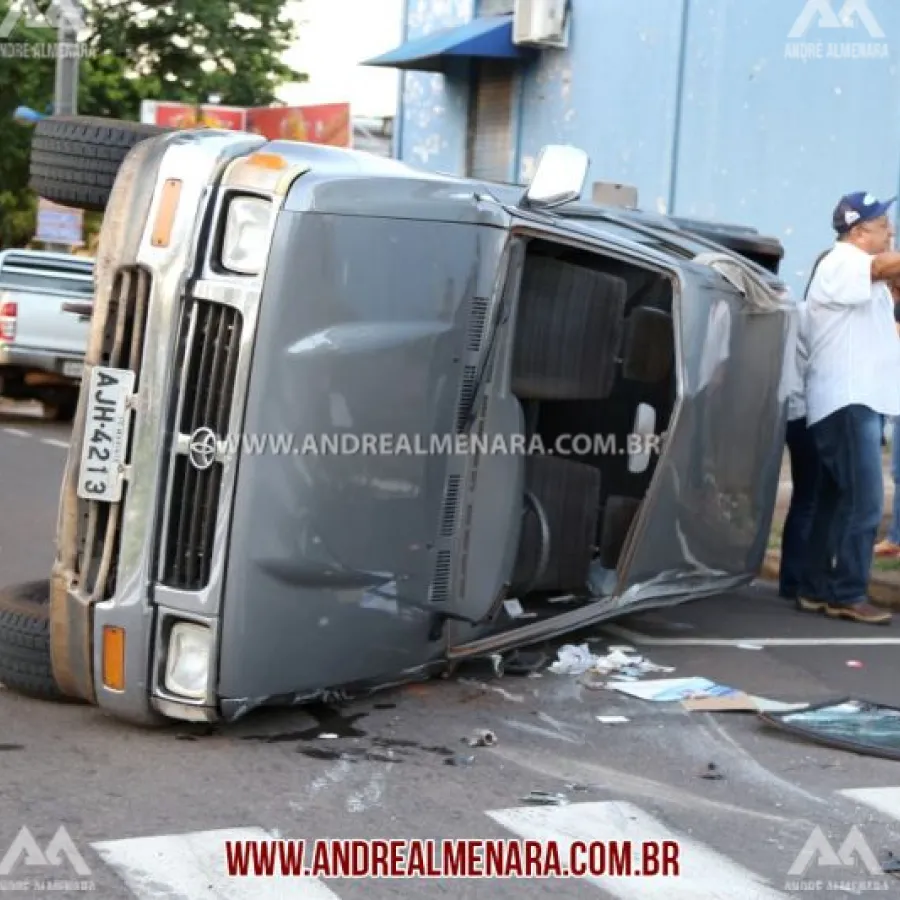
(702, 871)
(885, 800)
(189, 866)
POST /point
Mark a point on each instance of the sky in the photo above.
(335, 35)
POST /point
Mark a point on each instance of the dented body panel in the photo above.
(386, 306)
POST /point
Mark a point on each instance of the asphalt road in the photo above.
(145, 809)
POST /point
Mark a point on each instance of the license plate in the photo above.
(105, 434)
(73, 369)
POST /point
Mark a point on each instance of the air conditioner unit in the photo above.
(542, 23)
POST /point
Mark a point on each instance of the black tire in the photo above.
(75, 159)
(62, 409)
(568, 495)
(25, 665)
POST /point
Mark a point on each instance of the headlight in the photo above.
(187, 663)
(246, 235)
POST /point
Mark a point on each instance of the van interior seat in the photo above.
(593, 356)
(568, 331)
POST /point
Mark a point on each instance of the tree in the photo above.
(25, 80)
(188, 51)
(182, 50)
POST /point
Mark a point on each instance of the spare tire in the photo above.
(25, 665)
(75, 159)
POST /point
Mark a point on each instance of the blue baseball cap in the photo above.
(858, 207)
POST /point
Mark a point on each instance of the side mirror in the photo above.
(559, 178)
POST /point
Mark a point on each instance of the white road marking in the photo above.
(18, 432)
(188, 866)
(648, 641)
(883, 799)
(702, 871)
(52, 442)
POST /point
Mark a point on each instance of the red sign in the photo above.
(183, 115)
(325, 124)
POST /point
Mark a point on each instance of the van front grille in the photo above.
(209, 347)
(99, 531)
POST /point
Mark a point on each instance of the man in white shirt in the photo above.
(852, 380)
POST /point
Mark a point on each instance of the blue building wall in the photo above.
(707, 106)
(612, 92)
(433, 108)
(774, 141)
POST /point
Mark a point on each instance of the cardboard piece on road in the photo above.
(741, 702)
(700, 695)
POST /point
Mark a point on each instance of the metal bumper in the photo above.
(106, 567)
(34, 359)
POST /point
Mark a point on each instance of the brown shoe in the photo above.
(808, 604)
(863, 612)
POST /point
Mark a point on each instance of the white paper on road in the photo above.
(671, 690)
(701, 695)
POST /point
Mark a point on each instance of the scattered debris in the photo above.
(855, 725)
(458, 759)
(740, 702)
(701, 695)
(612, 720)
(522, 662)
(481, 738)
(515, 698)
(545, 798)
(670, 690)
(578, 788)
(712, 773)
(891, 865)
(515, 610)
(578, 660)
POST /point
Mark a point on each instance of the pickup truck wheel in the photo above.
(25, 665)
(75, 159)
(62, 410)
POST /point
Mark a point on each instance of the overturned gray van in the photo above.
(337, 413)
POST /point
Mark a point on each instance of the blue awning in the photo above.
(487, 37)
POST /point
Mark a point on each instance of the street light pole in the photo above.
(65, 100)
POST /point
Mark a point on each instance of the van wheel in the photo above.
(25, 665)
(75, 159)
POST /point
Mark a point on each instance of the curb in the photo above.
(884, 590)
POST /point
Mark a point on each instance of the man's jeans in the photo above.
(849, 504)
(804, 458)
(894, 533)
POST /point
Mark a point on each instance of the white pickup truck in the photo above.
(45, 307)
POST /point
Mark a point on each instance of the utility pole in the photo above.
(65, 97)
(65, 100)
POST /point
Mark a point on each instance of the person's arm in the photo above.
(886, 266)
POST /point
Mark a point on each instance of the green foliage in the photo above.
(185, 51)
(188, 51)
